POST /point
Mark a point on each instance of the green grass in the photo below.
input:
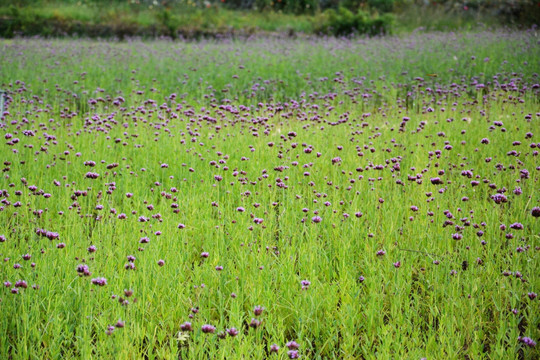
(67, 88)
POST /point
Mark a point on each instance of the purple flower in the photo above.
(110, 330)
(232, 332)
(274, 348)
(21, 284)
(535, 211)
(531, 295)
(316, 219)
(206, 328)
(258, 310)
(516, 226)
(99, 281)
(161, 262)
(292, 345)
(144, 240)
(527, 341)
(293, 354)
(255, 323)
(380, 252)
(83, 270)
(187, 326)
(120, 324)
(499, 198)
(91, 175)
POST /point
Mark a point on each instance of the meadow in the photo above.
(271, 198)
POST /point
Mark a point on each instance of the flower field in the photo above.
(271, 198)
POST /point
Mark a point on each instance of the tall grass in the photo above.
(331, 147)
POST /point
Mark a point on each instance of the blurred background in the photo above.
(191, 19)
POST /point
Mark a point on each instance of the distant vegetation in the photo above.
(214, 18)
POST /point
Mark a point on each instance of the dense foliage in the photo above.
(217, 18)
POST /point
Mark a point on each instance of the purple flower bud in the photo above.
(255, 323)
(258, 310)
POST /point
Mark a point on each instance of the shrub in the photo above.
(344, 22)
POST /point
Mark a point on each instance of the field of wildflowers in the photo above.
(271, 198)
